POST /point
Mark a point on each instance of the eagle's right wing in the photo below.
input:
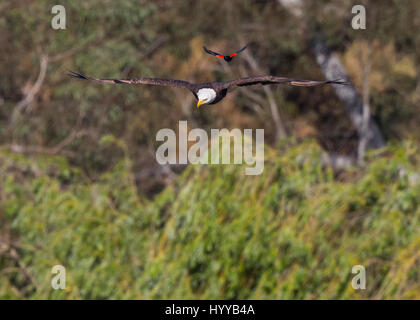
(151, 81)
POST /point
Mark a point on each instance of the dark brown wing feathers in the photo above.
(264, 80)
(151, 81)
(241, 82)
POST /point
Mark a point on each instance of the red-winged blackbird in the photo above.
(221, 56)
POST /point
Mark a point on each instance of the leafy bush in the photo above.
(293, 232)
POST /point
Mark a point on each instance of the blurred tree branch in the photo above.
(29, 94)
(75, 133)
(274, 108)
(332, 68)
(7, 250)
(365, 133)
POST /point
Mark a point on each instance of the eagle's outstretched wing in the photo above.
(151, 81)
(264, 80)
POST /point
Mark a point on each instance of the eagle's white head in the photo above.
(205, 96)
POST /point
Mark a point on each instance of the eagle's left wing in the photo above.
(264, 80)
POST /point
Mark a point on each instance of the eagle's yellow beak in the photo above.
(199, 103)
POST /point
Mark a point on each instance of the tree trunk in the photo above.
(333, 69)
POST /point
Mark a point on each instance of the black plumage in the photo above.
(227, 58)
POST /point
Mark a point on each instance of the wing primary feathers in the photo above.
(82, 76)
(242, 49)
(76, 75)
(239, 51)
(212, 52)
(151, 81)
(310, 83)
(265, 80)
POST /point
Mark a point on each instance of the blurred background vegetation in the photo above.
(80, 186)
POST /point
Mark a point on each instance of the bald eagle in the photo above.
(212, 92)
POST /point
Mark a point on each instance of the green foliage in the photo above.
(144, 38)
(293, 232)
